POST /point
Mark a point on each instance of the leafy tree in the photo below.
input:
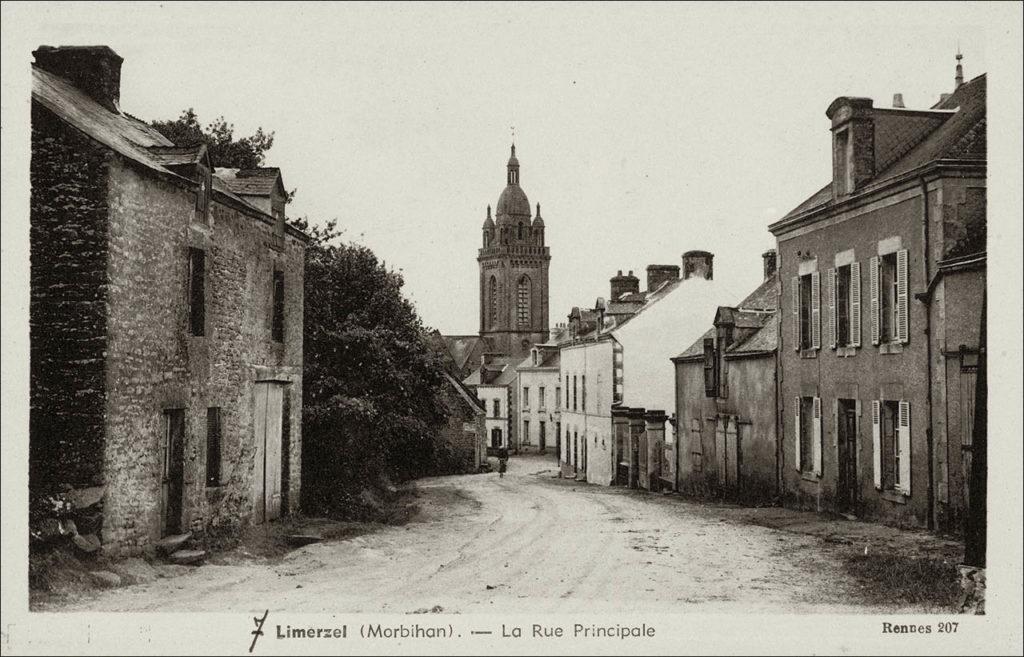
(372, 378)
(219, 137)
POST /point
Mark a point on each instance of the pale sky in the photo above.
(643, 130)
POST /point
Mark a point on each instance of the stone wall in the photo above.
(67, 322)
(155, 364)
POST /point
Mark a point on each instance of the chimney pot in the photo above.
(897, 101)
(96, 70)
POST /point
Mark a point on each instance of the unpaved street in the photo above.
(527, 543)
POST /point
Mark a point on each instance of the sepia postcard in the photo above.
(511, 328)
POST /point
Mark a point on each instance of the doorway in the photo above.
(172, 483)
(495, 438)
(268, 420)
(846, 439)
(543, 438)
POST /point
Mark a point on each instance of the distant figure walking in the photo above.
(502, 461)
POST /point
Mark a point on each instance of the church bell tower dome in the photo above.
(513, 202)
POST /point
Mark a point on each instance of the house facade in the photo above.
(465, 432)
(540, 398)
(726, 398)
(165, 321)
(871, 397)
(494, 385)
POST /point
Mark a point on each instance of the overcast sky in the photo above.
(643, 130)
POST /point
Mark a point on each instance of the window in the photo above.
(843, 284)
(497, 408)
(277, 322)
(806, 312)
(197, 291)
(710, 368)
(807, 435)
(889, 303)
(575, 393)
(558, 396)
(583, 390)
(566, 392)
(890, 424)
(526, 397)
(526, 432)
(519, 232)
(541, 402)
(492, 302)
(523, 303)
(213, 446)
(844, 162)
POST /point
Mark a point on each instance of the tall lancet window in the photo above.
(523, 303)
(492, 301)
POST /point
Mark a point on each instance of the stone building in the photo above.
(494, 384)
(513, 272)
(540, 396)
(466, 431)
(883, 276)
(624, 364)
(165, 320)
(726, 397)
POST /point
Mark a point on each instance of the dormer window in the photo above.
(844, 162)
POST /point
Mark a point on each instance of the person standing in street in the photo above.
(502, 462)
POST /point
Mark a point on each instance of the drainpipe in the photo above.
(926, 298)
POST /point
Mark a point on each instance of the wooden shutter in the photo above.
(816, 444)
(720, 458)
(855, 304)
(876, 441)
(903, 435)
(816, 310)
(796, 436)
(830, 285)
(902, 305)
(796, 313)
(873, 291)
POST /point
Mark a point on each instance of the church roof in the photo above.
(513, 202)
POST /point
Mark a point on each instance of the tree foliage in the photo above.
(219, 137)
(372, 379)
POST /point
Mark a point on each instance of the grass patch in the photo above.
(899, 580)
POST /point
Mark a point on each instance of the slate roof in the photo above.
(120, 132)
(169, 156)
(499, 372)
(471, 400)
(465, 350)
(548, 358)
(250, 182)
(961, 137)
(756, 311)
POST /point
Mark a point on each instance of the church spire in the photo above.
(513, 167)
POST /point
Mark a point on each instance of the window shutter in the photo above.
(816, 445)
(830, 284)
(873, 285)
(876, 441)
(903, 435)
(855, 304)
(903, 308)
(796, 436)
(816, 310)
(796, 313)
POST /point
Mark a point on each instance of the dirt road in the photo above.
(527, 543)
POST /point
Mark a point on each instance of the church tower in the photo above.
(513, 272)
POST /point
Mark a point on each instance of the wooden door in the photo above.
(267, 417)
(173, 476)
(846, 443)
(732, 453)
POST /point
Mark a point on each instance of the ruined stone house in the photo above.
(165, 319)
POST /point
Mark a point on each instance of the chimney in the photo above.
(658, 274)
(959, 79)
(96, 70)
(853, 143)
(897, 101)
(770, 263)
(698, 264)
(628, 284)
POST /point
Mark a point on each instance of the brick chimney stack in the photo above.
(770, 263)
(698, 264)
(897, 101)
(658, 274)
(96, 70)
(628, 284)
